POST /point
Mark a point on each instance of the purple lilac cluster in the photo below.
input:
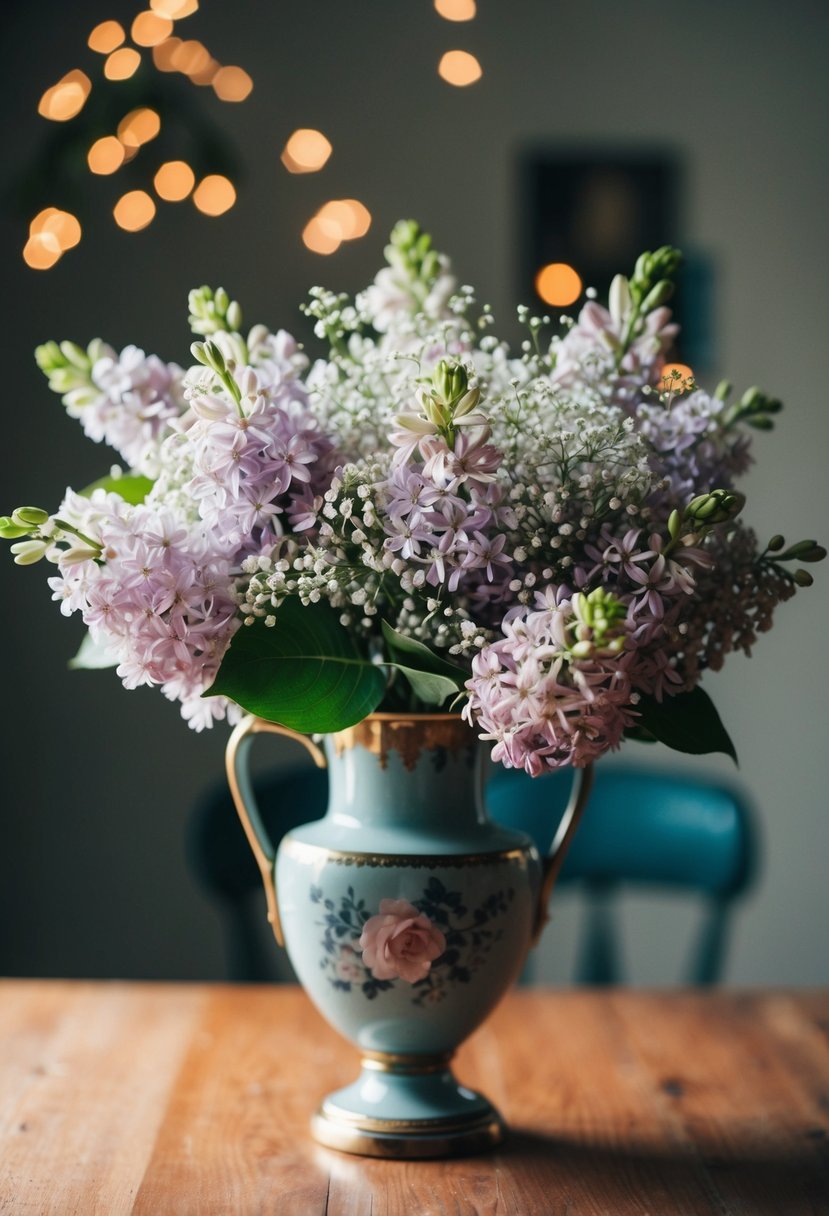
(561, 525)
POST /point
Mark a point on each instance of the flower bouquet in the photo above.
(547, 540)
(419, 537)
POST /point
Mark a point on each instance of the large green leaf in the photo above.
(132, 487)
(688, 722)
(305, 672)
(431, 677)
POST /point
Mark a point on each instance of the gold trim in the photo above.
(448, 1125)
(405, 1065)
(238, 779)
(302, 850)
(477, 1139)
(407, 734)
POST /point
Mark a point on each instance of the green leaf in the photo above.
(92, 656)
(306, 672)
(688, 722)
(432, 678)
(132, 487)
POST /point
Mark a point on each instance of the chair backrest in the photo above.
(641, 828)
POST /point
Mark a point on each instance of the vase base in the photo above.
(395, 1112)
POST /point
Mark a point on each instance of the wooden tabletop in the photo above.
(194, 1100)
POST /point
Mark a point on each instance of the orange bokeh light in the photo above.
(316, 238)
(191, 57)
(149, 28)
(306, 151)
(66, 98)
(675, 373)
(61, 227)
(207, 74)
(41, 251)
(164, 53)
(122, 64)
(558, 284)
(176, 10)
(106, 37)
(232, 84)
(459, 68)
(106, 155)
(138, 127)
(214, 195)
(174, 181)
(134, 210)
(456, 10)
(343, 219)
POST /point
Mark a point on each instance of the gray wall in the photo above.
(97, 783)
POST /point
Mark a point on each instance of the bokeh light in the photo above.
(306, 151)
(675, 373)
(149, 28)
(191, 57)
(214, 195)
(317, 239)
(42, 251)
(174, 181)
(66, 98)
(456, 10)
(106, 37)
(138, 127)
(122, 64)
(459, 68)
(232, 84)
(164, 53)
(558, 284)
(106, 155)
(176, 10)
(134, 210)
(343, 219)
(63, 226)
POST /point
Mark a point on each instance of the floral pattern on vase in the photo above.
(469, 936)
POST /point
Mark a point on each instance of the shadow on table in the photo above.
(765, 1179)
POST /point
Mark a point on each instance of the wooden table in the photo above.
(182, 1100)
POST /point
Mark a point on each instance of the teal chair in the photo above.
(641, 829)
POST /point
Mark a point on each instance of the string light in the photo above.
(174, 181)
(459, 68)
(106, 155)
(66, 98)
(456, 10)
(558, 284)
(214, 195)
(232, 84)
(106, 37)
(122, 64)
(149, 28)
(306, 151)
(134, 210)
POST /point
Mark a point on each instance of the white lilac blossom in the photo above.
(556, 527)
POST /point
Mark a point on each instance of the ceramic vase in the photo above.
(406, 914)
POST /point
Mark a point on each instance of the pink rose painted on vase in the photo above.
(400, 942)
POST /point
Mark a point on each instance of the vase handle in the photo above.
(552, 863)
(241, 787)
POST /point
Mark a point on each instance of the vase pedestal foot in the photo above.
(407, 1106)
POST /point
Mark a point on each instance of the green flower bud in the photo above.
(674, 524)
(450, 380)
(31, 517)
(199, 353)
(221, 300)
(777, 542)
(723, 390)
(658, 295)
(803, 550)
(716, 507)
(802, 577)
(11, 531)
(27, 552)
(234, 316)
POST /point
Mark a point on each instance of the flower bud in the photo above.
(723, 390)
(777, 542)
(27, 552)
(234, 316)
(619, 298)
(11, 531)
(802, 577)
(29, 517)
(467, 402)
(658, 295)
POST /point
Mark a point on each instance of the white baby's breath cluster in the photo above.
(560, 523)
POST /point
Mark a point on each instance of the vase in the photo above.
(406, 914)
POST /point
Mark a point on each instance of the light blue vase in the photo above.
(406, 914)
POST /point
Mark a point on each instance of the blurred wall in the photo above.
(97, 783)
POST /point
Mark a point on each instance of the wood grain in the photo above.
(195, 1100)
